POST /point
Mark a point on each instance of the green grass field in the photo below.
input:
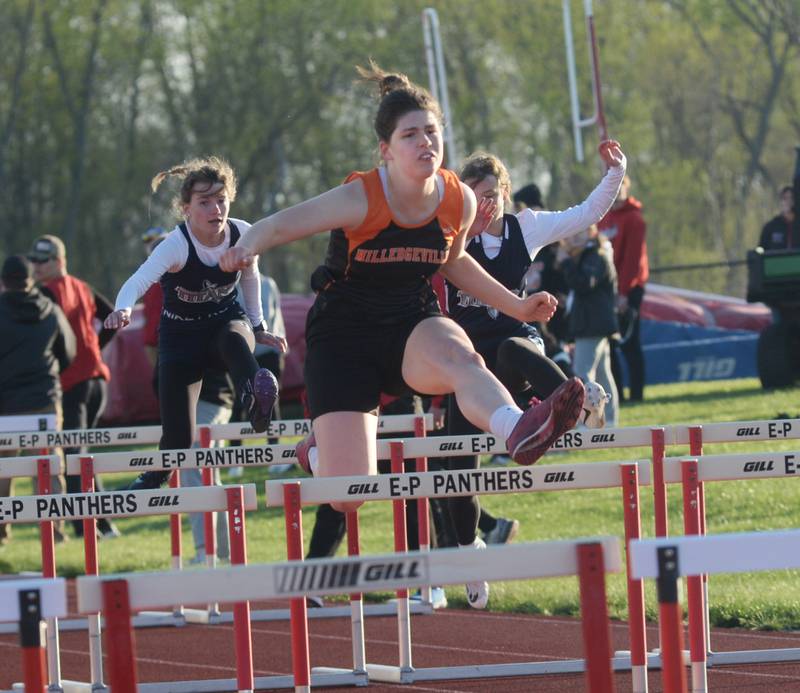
(764, 600)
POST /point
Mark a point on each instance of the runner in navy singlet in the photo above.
(504, 246)
(202, 325)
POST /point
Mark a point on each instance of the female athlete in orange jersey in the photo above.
(376, 326)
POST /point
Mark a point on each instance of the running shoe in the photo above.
(149, 481)
(258, 397)
(478, 592)
(302, 450)
(503, 533)
(542, 425)
(594, 405)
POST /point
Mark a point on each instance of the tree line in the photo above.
(96, 96)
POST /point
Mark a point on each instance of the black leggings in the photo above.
(83, 405)
(631, 350)
(183, 357)
(521, 367)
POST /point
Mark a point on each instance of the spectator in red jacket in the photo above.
(625, 227)
(84, 382)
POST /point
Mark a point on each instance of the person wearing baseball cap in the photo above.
(85, 382)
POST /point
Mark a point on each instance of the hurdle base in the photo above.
(155, 619)
(387, 609)
(393, 674)
(158, 619)
(360, 677)
(333, 677)
(67, 687)
(203, 617)
(654, 657)
(786, 654)
(387, 673)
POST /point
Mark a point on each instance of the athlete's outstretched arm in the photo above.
(343, 207)
(542, 227)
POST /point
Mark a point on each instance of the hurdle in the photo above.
(27, 603)
(17, 433)
(208, 458)
(668, 558)
(43, 509)
(40, 468)
(399, 487)
(590, 559)
(695, 436)
(691, 473)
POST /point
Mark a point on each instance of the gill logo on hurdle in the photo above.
(321, 576)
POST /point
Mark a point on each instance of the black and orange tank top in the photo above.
(382, 264)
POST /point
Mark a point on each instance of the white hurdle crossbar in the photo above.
(693, 473)
(333, 576)
(443, 484)
(238, 456)
(46, 508)
(401, 486)
(15, 437)
(668, 558)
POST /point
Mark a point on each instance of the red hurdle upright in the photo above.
(49, 571)
(301, 663)
(30, 640)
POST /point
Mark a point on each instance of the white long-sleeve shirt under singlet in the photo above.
(171, 255)
(541, 227)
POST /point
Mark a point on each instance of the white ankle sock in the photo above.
(313, 460)
(503, 420)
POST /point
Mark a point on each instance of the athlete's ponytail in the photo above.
(198, 175)
(398, 95)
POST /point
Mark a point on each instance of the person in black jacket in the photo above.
(591, 308)
(777, 232)
(37, 344)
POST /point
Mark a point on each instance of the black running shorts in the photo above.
(352, 358)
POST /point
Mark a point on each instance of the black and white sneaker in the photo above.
(149, 481)
(477, 592)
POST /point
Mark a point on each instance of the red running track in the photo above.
(448, 637)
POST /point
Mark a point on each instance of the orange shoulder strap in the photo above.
(378, 215)
(451, 211)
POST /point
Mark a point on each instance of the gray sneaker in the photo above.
(594, 405)
(503, 533)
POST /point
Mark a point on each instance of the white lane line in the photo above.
(754, 674)
(415, 645)
(167, 662)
